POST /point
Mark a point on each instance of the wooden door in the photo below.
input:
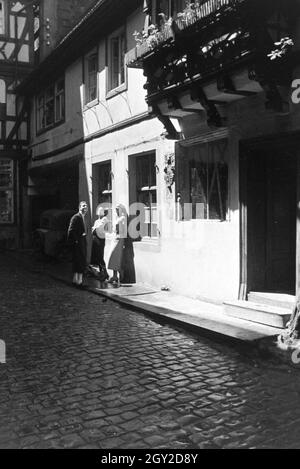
(269, 220)
(281, 222)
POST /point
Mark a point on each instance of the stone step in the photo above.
(280, 300)
(187, 312)
(258, 313)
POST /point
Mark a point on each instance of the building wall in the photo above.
(71, 130)
(113, 108)
(195, 258)
(190, 257)
(53, 171)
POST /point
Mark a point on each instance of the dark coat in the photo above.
(97, 257)
(128, 269)
(122, 258)
(77, 241)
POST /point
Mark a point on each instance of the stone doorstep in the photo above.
(259, 313)
(210, 318)
(281, 300)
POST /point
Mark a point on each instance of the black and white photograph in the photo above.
(149, 227)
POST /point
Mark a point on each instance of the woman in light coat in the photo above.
(99, 231)
(121, 258)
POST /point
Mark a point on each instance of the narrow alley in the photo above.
(83, 372)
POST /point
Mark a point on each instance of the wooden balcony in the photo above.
(209, 12)
(216, 55)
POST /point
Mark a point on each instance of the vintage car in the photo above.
(50, 239)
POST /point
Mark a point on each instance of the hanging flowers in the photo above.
(169, 170)
(283, 47)
(154, 35)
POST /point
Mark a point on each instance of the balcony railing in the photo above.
(197, 12)
(202, 10)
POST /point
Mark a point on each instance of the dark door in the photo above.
(271, 220)
(281, 222)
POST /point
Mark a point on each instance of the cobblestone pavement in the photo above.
(83, 372)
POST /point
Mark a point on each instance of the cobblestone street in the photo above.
(83, 372)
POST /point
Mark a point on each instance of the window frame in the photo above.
(184, 183)
(60, 94)
(4, 18)
(120, 36)
(41, 108)
(86, 78)
(104, 190)
(9, 188)
(140, 191)
(172, 8)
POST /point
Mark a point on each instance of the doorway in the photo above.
(270, 198)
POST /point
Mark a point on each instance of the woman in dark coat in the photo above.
(77, 234)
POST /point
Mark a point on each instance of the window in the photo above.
(116, 65)
(49, 101)
(6, 191)
(91, 91)
(2, 101)
(51, 106)
(105, 183)
(143, 190)
(2, 18)
(103, 193)
(178, 6)
(36, 32)
(60, 101)
(202, 181)
(168, 8)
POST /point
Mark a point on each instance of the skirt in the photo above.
(97, 257)
(116, 258)
(79, 253)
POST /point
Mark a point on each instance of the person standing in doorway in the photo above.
(77, 236)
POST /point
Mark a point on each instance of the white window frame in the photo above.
(120, 84)
(2, 17)
(89, 77)
(42, 100)
(105, 189)
(150, 225)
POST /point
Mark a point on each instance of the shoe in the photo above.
(113, 280)
(79, 286)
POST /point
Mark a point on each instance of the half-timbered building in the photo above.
(16, 61)
(55, 117)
